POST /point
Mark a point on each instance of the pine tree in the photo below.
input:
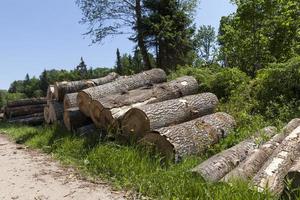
(44, 82)
(82, 68)
(119, 67)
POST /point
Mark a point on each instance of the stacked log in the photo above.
(75, 119)
(121, 85)
(53, 112)
(50, 93)
(70, 100)
(26, 111)
(216, 167)
(271, 175)
(107, 110)
(189, 138)
(63, 88)
(252, 164)
(86, 130)
(140, 120)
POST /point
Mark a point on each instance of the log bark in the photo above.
(271, 175)
(252, 164)
(189, 138)
(105, 111)
(26, 102)
(50, 93)
(29, 121)
(74, 119)
(216, 167)
(56, 110)
(293, 180)
(23, 110)
(47, 116)
(70, 101)
(63, 88)
(137, 121)
(121, 85)
(28, 116)
(86, 130)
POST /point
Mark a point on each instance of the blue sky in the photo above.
(45, 34)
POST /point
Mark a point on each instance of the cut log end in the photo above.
(102, 117)
(155, 143)
(135, 123)
(84, 101)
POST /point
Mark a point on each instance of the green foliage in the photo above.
(82, 69)
(6, 96)
(260, 32)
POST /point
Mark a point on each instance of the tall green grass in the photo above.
(128, 168)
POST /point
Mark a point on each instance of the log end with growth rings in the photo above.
(101, 116)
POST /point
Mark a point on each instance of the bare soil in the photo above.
(30, 175)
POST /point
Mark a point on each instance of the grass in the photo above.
(129, 168)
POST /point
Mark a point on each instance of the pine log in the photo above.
(137, 121)
(70, 101)
(50, 93)
(63, 88)
(26, 102)
(38, 120)
(271, 175)
(47, 116)
(74, 119)
(216, 167)
(107, 110)
(56, 111)
(253, 163)
(86, 130)
(189, 138)
(121, 85)
(23, 110)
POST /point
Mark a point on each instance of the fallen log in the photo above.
(50, 93)
(70, 101)
(28, 116)
(189, 138)
(120, 85)
(271, 175)
(38, 120)
(86, 130)
(253, 163)
(26, 102)
(63, 88)
(47, 116)
(216, 167)
(74, 119)
(11, 112)
(107, 110)
(292, 180)
(56, 111)
(137, 121)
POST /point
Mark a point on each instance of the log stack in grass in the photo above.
(26, 111)
(53, 112)
(106, 111)
(189, 138)
(65, 87)
(75, 119)
(121, 85)
(138, 121)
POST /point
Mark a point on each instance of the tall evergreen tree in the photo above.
(82, 68)
(119, 67)
(44, 82)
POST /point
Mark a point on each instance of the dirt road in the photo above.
(29, 175)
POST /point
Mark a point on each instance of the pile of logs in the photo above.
(266, 163)
(26, 111)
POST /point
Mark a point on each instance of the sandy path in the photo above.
(29, 175)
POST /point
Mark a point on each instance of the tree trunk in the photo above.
(105, 111)
(137, 121)
(272, 174)
(140, 35)
(216, 167)
(121, 85)
(249, 167)
(70, 101)
(56, 110)
(23, 110)
(26, 102)
(63, 88)
(189, 138)
(50, 93)
(37, 120)
(74, 119)
(86, 130)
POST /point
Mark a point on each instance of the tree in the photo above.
(44, 82)
(168, 29)
(205, 43)
(81, 68)
(119, 68)
(260, 32)
(109, 18)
